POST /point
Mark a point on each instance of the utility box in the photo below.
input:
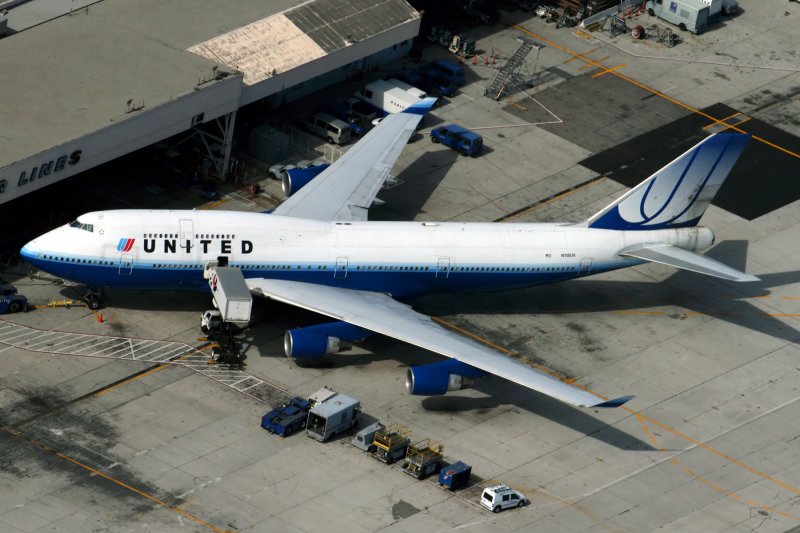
(231, 295)
(333, 415)
(688, 15)
(455, 476)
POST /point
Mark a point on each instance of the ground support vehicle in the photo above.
(288, 418)
(422, 458)
(455, 476)
(461, 139)
(230, 293)
(364, 439)
(500, 497)
(391, 443)
(11, 301)
(331, 416)
(688, 15)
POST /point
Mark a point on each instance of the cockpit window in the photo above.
(85, 227)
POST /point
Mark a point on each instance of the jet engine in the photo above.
(439, 378)
(314, 342)
(295, 179)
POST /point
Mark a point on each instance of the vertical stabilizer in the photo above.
(677, 195)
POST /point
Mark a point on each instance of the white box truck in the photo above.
(231, 295)
(691, 15)
(332, 414)
(386, 97)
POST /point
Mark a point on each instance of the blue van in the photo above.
(460, 139)
(446, 70)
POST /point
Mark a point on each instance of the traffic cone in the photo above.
(99, 318)
(475, 59)
(487, 59)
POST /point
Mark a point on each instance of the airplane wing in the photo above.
(666, 254)
(346, 189)
(380, 313)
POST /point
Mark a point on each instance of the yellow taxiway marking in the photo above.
(644, 418)
(105, 476)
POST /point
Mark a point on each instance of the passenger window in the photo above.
(514, 497)
(505, 498)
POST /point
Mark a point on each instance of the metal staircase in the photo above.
(509, 79)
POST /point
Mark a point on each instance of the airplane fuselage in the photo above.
(169, 250)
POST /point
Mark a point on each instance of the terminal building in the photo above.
(107, 78)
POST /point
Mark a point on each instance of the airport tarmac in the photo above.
(119, 425)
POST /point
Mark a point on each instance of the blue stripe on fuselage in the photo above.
(401, 283)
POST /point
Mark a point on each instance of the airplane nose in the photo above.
(29, 251)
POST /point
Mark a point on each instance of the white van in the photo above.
(334, 130)
(500, 497)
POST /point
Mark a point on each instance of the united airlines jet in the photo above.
(319, 252)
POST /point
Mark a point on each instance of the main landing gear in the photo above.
(95, 298)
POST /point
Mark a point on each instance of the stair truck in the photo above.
(422, 458)
(391, 443)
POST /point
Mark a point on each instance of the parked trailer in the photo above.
(331, 416)
(391, 443)
(422, 458)
(386, 97)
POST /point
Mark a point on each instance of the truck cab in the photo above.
(460, 139)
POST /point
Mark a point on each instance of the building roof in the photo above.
(73, 75)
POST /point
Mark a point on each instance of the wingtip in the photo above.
(421, 107)
(617, 402)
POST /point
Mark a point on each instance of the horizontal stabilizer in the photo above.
(622, 400)
(673, 256)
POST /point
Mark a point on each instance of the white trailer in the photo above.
(410, 89)
(386, 97)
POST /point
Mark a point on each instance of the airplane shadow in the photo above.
(724, 300)
(418, 181)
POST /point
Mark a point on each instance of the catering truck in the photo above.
(333, 413)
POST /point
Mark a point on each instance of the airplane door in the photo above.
(586, 267)
(125, 264)
(187, 232)
(341, 268)
(443, 267)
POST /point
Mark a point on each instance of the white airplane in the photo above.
(317, 251)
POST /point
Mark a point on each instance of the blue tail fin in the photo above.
(678, 194)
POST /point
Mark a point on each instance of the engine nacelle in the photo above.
(314, 342)
(439, 378)
(295, 179)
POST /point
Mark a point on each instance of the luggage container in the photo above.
(455, 476)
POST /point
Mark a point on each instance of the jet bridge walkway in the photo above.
(142, 350)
